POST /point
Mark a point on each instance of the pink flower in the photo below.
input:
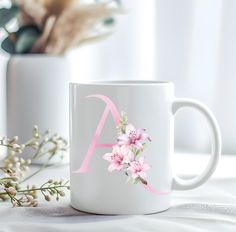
(120, 155)
(138, 168)
(133, 136)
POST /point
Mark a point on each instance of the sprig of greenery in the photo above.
(122, 124)
(28, 197)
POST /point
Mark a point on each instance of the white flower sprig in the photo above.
(13, 171)
(28, 197)
(42, 145)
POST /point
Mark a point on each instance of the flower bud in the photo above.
(47, 198)
(22, 160)
(35, 129)
(14, 204)
(11, 191)
(16, 146)
(14, 178)
(46, 139)
(34, 203)
(16, 159)
(22, 146)
(15, 138)
(30, 198)
(61, 193)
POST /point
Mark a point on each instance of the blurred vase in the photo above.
(3, 61)
(37, 94)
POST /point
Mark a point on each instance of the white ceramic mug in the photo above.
(108, 147)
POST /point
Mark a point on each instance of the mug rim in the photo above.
(123, 83)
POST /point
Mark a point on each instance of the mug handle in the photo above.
(180, 184)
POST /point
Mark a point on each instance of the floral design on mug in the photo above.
(126, 154)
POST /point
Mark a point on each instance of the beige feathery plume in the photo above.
(39, 10)
(24, 19)
(56, 7)
(74, 26)
(40, 44)
(64, 23)
(34, 9)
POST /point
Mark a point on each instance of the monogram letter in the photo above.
(110, 107)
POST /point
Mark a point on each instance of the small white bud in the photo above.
(16, 146)
(14, 204)
(11, 190)
(17, 165)
(46, 139)
(22, 160)
(22, 146)
(16, 159)
(30, 198)
(15, 138)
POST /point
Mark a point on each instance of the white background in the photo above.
(189, 42)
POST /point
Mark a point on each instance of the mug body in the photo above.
(147, 105)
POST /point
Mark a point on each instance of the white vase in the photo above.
(37, 94)
(3, 132)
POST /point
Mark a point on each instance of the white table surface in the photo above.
(211, 207)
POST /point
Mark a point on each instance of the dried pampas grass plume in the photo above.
(40, 45)
(65, 23)
(74, 26)
(34, 10)
(56, 7)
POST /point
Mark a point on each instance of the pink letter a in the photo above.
(110, 107)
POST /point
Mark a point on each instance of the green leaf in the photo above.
(7, 14)
(109, 21)
(136, 181)
(119, 2)
(21, 41)
(26, 37)
(8, 45)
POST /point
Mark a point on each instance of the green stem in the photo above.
(5, 29)
(38, 189)
(41, 189)
(6, 145)
(3, 193)
(38, 151)
(44, 153)
(13, 199)
(46, 165)
(6, 178)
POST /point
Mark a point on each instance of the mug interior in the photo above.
(124, 82)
